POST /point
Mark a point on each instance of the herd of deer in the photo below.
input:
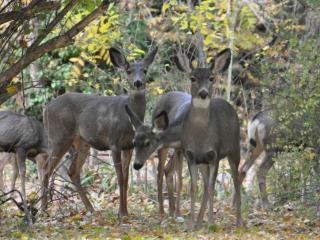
(199, 127)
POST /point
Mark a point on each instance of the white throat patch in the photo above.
(201, 103)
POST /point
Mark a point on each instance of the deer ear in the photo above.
(118, 59)
(160, 123)
(150, 57)
(135, 121)
(221, 61)
(183, 63)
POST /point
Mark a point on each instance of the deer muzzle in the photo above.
(203, 94)
(137, 84)
(137, 166)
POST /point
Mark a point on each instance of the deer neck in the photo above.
(199, 111)
(137, 102)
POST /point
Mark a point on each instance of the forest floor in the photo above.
(67, 219)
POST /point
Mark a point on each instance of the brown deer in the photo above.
(101, 122)
(210, 132)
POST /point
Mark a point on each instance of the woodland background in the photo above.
(51, 47)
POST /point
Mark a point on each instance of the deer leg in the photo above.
(193, 169)
(3, 163)
(162, 155)
(21, 160)
(254, 154)
(2, 188)
(40, 161)
(75, 171)
(178, 168)
(234, 161)
(169, 171)
(126, 158)
(51, 163)
(5, 158)
(205, 177)
(262, 175)
(116, 156)
(15, 172)
(213, 168)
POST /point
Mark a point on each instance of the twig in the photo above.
(27, 13)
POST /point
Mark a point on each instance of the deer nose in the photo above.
(137, 84)
(203, 93)
(137, 166)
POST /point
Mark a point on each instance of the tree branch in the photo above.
(57, 42)
(52, 24)
(26, 13)
(15, 24)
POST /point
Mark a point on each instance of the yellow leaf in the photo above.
(81, 62)
(32, 197)
(76, 71)
(77, 60)
(76, 217)
(165, 7)
(74, 59)
(25, 1)
(11, 89)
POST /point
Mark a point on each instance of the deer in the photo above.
(171, 107)
(210, 132)
(25, 137)
(261, 139)
(84, 121)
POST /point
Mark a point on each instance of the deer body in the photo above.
(99, 121)
(217, 129)
(21, 132)
(81, 121)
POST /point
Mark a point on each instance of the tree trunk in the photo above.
(231, 40)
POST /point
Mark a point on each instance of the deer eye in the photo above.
(211, 79)
(145, 71)
(147, 143)
(129, 71)
(193, 79)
